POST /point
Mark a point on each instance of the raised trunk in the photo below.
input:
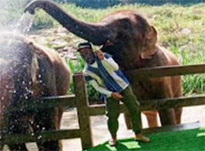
(98, 34)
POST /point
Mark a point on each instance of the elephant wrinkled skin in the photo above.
(28, 71)
(133, 45)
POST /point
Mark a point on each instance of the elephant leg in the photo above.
(151, 118)
(45, 120)
(48, 146)
(18, 147)
(178, 113)
(177, 91)
(1, 147)
(17, 124)
(167, 117)
(58, 117)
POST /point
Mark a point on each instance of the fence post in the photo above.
(82, 111)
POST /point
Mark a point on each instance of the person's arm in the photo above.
(95, 84)
(100, 89)
(110, 64)
(107, 61)
(108, 93)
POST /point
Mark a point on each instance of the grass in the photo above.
(187, 140)
(180, 29)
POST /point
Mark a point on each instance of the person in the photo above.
(103, 73)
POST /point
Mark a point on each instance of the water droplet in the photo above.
(39, 137)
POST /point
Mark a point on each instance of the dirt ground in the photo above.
(99, 127)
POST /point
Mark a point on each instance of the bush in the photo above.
(42, 21)
(179, 30)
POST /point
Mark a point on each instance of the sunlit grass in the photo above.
(186, 140)
(180, 29)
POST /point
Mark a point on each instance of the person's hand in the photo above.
(116, 95)
(100, 54)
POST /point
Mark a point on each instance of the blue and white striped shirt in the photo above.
(105, 76)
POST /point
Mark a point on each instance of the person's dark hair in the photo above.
(84, 45)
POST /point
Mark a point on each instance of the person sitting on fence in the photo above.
(103, 73)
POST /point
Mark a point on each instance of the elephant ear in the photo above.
(149, 44)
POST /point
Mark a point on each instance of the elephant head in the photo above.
(130, 34)
(133, 44)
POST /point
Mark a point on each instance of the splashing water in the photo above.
(13, 22)
(25, 23)
(22, 27)
(9, 45)
(12, 17)
(10, 13)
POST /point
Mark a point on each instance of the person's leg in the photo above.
(132, 104)
(112, 107)
(130, 101)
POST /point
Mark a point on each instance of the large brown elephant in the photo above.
(28, 71)
(133, 45)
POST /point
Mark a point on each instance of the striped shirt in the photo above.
(105, 76)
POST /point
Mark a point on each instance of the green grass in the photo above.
(180, 29)
(187, 140)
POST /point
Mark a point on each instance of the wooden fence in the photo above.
(84, 111)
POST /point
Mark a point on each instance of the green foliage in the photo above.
(180, 29)
(109, 3)
(10, 12)
(43, 20)
(194, 84)
(77, 66)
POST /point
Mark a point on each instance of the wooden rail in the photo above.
(41, 136)
(79, 101)
(95, 110)
(84, 111)
(163, 71)
(46, 102)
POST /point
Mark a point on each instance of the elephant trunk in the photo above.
(98, 34)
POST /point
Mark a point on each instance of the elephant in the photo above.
(29, 71)
(133, 45)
